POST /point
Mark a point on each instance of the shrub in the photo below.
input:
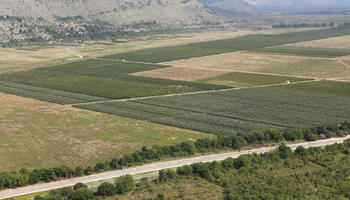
(124, 184)
(106, 189)
(83, 194)
(79, 185)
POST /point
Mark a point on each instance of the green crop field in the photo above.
(306, 51)
(239, 79)
(93, 80)
(229, 112)
(247, 42)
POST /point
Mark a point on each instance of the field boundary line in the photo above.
(343, 63)
(190, 93)
(76, 53)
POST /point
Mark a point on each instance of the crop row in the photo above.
(229, 112)
(248, 42)
(104, 79)
(44, 94)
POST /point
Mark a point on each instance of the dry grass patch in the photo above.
(269, 64)
(342, 42)
(182, 73)
(37, 134)
(28, 58)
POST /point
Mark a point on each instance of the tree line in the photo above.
(25, 177)
(228, 174)
(304, 25)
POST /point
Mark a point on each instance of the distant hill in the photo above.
(230, 7)
(57, 18)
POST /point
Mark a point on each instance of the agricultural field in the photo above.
(37, 134)
(92, 80)
(248, 42)
(239, 79)
(242, 110)
(182, 73)
(26, 58)
(335, 42)
(306, 51)
(269, 64)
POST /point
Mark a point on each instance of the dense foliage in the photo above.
(248, 42)
(229, 112)
(314, 173)
(145, 155)
(92, 80)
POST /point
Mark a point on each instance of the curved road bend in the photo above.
(153, 167)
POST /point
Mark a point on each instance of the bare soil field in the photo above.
(270, 64)
(182, 73)
(37, 134)
(342, 42)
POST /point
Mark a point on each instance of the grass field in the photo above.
(306, 51)
(94, 79)
(336, 42)
(18, 59)
(239, 79)
(269, 63)
(248, 42)
(37, 134)
(229, 112)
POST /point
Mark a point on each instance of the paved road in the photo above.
(153, 167)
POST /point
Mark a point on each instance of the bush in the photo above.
(124, 184)
(83, 194)
(79, 185)
(106, 189)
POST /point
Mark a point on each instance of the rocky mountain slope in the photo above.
(53, 18)
(230, 7)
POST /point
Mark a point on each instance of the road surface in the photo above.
(153, 167)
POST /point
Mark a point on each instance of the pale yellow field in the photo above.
(270, 64)
(37, 134)
(13, 59)
(336, 42)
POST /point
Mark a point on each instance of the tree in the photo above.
(301, 151)
(238, 142)
(79, 185)
(201, 169)
(124, 184)
(284, 151)
(184, 171)
(83, 194)
(106, 189)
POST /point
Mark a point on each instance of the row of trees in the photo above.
(80, 191)
(304, 25)
(145, 155)
(232, 175)
(310, 25)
